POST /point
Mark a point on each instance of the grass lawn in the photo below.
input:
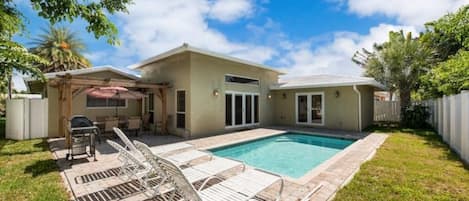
(410, 165)
(27, 171)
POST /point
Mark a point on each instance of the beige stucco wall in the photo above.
(208, 74)
(340, 112)
(79, 105)
(174, 70)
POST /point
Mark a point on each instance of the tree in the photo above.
(62, 48)
(13, 56)
(449, 37)
(397, 63)
(449, 77)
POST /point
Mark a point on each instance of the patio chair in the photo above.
(203, 172)
(183, 158)
(134, 168)
(134, 124)
(110, 123)
(243, 186)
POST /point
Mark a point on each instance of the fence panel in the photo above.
(26, 119)
(387, 111)
(450, 116)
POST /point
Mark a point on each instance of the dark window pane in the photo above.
(181, 101)
(116, 102)
(150, 101)
(238, 109)
(241, 80)
(95, 102)
(316, 113)
(228, 110)
(248, 109)
(256, 109)
(181, 120)
(302, 109)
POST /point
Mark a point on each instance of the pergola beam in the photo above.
(70, 86)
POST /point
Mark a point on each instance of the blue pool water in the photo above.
(290, 154)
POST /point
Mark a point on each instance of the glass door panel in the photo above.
(238, 110)
(302, 108)
(228, 110)
(248, 112)
(316, 107)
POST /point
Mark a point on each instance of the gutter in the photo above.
(359, 107)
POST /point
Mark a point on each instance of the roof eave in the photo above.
(372, 83)
(186, 47)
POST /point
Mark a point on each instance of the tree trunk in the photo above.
(404, 97)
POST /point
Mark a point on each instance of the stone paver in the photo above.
(332, 177)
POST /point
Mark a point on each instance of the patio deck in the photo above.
(96, 180)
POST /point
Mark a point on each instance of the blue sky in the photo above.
(301, 37)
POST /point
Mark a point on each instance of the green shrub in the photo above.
(415, 116)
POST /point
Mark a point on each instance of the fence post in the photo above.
(465, 126)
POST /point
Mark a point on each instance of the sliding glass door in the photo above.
(310, 108)
(241, 109)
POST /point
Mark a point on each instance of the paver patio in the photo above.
(96, 180)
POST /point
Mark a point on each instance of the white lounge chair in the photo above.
(204, 171)
(183, 158)
(244, 186)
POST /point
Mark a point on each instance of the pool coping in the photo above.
(314, 171)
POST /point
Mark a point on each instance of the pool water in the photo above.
(290, 154)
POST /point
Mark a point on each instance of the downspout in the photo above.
(359, 107)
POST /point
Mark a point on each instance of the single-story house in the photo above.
(206, 93)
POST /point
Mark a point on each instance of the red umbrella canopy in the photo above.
(114, 92)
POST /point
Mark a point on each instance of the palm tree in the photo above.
(397, 63)
(62, 48)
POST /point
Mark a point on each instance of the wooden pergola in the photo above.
(70, 86)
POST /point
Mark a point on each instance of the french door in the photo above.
(241, 109)
(310, 108)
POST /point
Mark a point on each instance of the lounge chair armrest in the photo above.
(315, 189)
(282, 182)
(207, 180)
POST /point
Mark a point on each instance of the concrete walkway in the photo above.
(96, 180)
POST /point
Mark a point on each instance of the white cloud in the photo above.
(415, 12)
(230, 10)
(335, 57)
(152, 27)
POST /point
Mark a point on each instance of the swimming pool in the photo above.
(291, 154)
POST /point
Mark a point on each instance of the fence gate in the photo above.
(387, 111)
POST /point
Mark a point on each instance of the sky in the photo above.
(301, 37)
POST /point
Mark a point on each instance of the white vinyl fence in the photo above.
(26, 119)
(387, 111)
(450, 118)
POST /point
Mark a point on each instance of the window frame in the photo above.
(233, 113)
(309, 96)
(107, 106)
(241, 76)
(176, 108)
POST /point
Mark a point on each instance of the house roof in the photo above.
(188, 48)
(87, 71)
(316, 81)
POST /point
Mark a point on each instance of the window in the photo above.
(180, 109)
(310, 108)
(240, 80)
(93, 102)
(241, 109)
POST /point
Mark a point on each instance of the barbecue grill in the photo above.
(82, 135)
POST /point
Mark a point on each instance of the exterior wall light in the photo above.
(284, 95)
(215, 92)
(269, 96)
(337, 93)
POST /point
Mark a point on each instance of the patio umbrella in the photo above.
(114, 93)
